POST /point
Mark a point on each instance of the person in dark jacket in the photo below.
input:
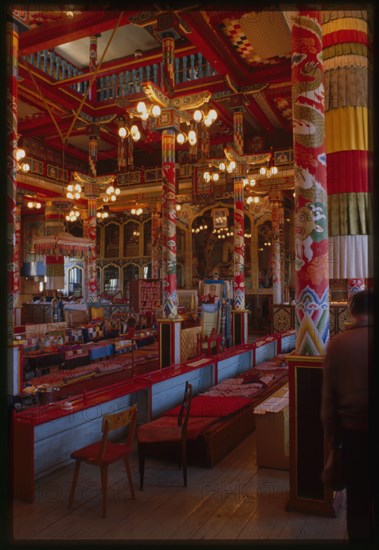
(345, 408)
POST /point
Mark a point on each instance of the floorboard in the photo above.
(233, 501)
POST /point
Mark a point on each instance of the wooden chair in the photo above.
(166, 431)
(106, 452)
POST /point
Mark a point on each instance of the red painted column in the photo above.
(277, 222)
(311, 215)
(155, 226)
(90, 193)
(13, 260)
(169, 295)
(239, 315)
(93, 64)
(349, 146)
(90, 272)
(307, 444)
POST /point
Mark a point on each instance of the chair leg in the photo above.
(104, 487)
(141, 465)
(73, 482)
(129, 474)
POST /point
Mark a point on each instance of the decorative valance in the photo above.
(62, 244)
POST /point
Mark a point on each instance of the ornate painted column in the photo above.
(93, 63)
(239, 314)
(348, 115)
(169, 326)
(90, 283)
(308, 447)
(13, 260)
(277, 222)
(155, 226)
(90, 192)
(311, 215)
(14, 364)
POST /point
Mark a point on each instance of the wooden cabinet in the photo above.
(145, 295)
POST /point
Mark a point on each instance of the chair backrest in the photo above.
(116, 421)
(185, 409)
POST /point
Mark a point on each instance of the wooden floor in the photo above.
(234, 501)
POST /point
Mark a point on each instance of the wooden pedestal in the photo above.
(307, 441)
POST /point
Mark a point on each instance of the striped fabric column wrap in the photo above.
(346, 53)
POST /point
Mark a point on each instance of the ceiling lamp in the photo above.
(73, 215)
(136, 211)
(34, 204)
(20, 155)
(191, 137)
(74, 191)
(111, 193)
(124, 131)
(144, 112)
(207, 118)
(102, 214)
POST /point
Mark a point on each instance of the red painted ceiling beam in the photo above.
(260, 117)
(214, 50)
(65, 30)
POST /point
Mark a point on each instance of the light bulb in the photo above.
(98, 214)
(20, 153)
(208, 121)
(105, 199)
(192, 137)
(156, 111)
(197, 115)
(113, 198)
(256, 200)
(232, 164)
(78, 188)
(105, 214)
(25, 167)
(69, 195)
(222, 166)
(207, 177)
(274, 170)
(136, 136)
(252, 182)
(245, 181)
(133, 211)
(38, 205)
(178, 207)
(122, 132)
(117, 191)
(249, 200)
(70, 187)
(77, 196)
(216, 176)
(262, 171)
(212, 114)
(141, 107)
(180, 138)
(68, 218)
(30, 204)
(145, 115)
